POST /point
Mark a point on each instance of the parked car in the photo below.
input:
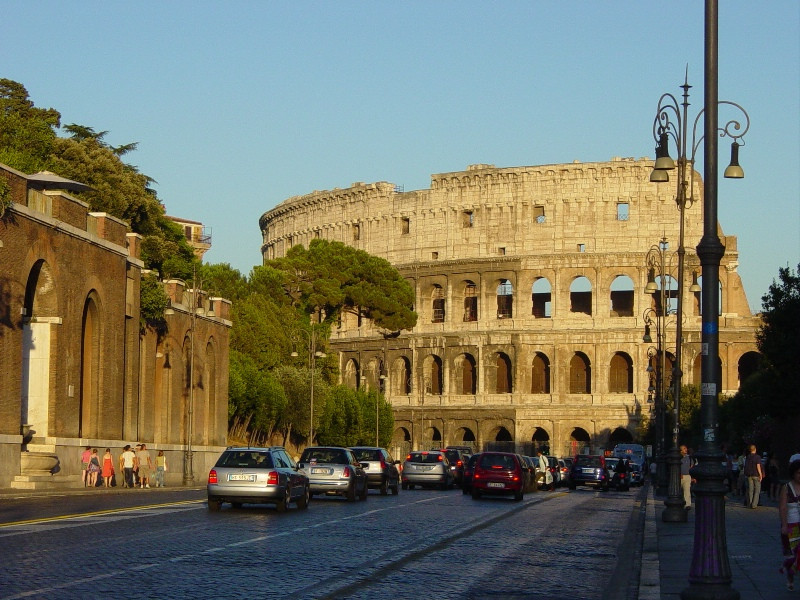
(589, 470)
(563, 470)
(257, 476)
(466, 451)
(381, 470)
(531, 463)
(637, 477)
(469, 467)
(334, 471)
(499, 473)
(456, 458)
(620, 477)
(426, 468)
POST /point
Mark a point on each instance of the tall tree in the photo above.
(27, 133)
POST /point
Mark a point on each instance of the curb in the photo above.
(650, 573)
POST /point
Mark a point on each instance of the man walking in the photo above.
(686, 478)
(128, 458)
(754, 474)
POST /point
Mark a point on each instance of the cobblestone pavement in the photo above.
(423, 543)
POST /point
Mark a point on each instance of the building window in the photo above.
(622, 296)
(501, 251)
(505, 297)
(434, 256)
(580, 374)
(538, 214)
(581, 247)
(467, 218)
(620, 374)
(356, 232)
(405, 225)
(540, 374)
(580, 296)
(438, 304)
(622, 211)
(504, 382)
(541, 299)
(470, 302)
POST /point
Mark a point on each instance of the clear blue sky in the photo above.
(237, 106)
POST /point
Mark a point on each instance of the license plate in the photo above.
(241, 477)
(588, 470)
(320, 471)
(493, 484)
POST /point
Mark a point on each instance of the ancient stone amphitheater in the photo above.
(530, 289)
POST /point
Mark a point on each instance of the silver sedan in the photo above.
(334, 471)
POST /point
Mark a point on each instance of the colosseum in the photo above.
(530, 289)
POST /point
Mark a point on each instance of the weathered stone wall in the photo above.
(488, 226)
(75, 367)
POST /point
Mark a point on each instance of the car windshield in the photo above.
(424, 457)
(498, 461)
(452, 455)
(367, 454)
(245, 459)
(612, 463)
(589, 461)
(325, 455)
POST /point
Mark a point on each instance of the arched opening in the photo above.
(505, 299)
(470, 301)
(503, 435)
(670, 295)
(437, 304)
(541, 440)
(697, 373)
(540, 374)
(698, 298)
(622, 296)
(504, 379)
(580, 296)
(432, 375)
(400, 379)
(620, 374)
(90, 410)
(466, 375)
(541, 299)
(748, 365)
(579, 442)
(580, 374)
(401, 443)
(619, 436)
(352, 374)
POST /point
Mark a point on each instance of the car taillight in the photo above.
(212, 476)
(622, 475)
(346, 472)
(383, 464)
(459, 463)
(272, 478)
(441, 458)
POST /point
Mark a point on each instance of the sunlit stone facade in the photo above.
(529, 287)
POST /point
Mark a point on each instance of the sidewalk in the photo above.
(754, 552)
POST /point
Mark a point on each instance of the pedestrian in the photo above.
(741, 488)
(789, 511)
(145, 463)
(128, 460)
(122, 467)
(686, 477)
(161, 468)
(136, 465)
(86, 456)
(773, 475)
(94, 469)
(734, 474)
(108, 468)
(754, 475)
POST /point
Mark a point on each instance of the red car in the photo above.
(498, 473)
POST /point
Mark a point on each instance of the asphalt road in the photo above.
(421, 543)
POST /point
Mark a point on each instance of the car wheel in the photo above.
(411, 486)
(395, 489)
(303, 500)
(364, 491)
(351, 493)
(214, 505)
(385, 487)
(475, 494)
(283, 503)
(445, 485)
(465, 490)
(519, 495)
(404, 485)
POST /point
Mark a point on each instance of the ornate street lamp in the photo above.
(672, 121)
(313, 355)
(710, 573)
(659, 266)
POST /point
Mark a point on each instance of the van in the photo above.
(633, 452)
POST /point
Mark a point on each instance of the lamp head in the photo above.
(695, 287)
(734, 171)
(646, 338)
(663, 160)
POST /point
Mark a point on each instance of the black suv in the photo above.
(381, 470)
(257, 476)
(589, 469)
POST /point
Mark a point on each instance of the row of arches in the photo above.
(464, 374)
(620, 299)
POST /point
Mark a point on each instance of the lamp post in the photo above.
(313, 355)
(710, 574)
(426, 387)
(659, 264)
(188, 457)
(381, 389)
